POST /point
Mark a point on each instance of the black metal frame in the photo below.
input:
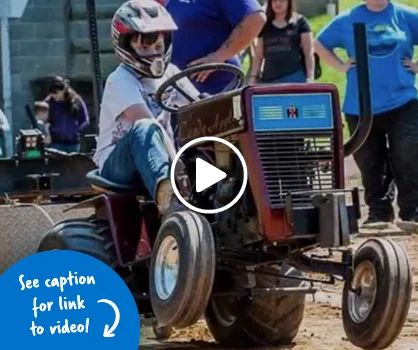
(95, 55)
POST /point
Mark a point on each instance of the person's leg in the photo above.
(144, 152)
(403, 138)
(372, 160)
(58, 146)
(71, 148)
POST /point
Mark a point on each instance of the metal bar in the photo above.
(67, 36)
(363, 80)
(266, 291)
(95, 57)
(330, 280)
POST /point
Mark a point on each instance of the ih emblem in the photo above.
(292, 112)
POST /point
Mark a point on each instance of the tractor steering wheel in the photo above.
(236, 83)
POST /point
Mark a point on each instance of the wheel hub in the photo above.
(364, 281)
(166, 268)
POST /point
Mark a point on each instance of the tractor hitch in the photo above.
(329, 216)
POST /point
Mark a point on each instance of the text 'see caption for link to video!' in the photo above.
(66, 299)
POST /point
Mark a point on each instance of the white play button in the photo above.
(207, 175)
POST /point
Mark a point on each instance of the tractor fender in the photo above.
(95, 202)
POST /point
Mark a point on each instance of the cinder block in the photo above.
(50, 31)
(31, 48)
(21, 31)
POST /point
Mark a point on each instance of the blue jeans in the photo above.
(64, 147)
(142, 153)
(297, 77)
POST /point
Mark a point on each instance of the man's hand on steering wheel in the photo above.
(176, 84)
(211, 58)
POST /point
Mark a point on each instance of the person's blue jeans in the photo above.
(64, 147)
(141, 152)
(297, 77)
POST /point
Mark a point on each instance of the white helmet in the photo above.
(149, 19)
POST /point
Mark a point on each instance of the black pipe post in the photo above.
(94, 57)
(365, 101)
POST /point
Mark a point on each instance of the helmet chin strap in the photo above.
(157, 66)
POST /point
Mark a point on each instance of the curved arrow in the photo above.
(108, 332)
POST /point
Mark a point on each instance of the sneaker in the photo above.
(167, 201)
(378, 221)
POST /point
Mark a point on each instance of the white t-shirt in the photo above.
(122, 90)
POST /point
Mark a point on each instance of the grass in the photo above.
(329, 75)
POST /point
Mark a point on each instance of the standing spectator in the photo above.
(213, 31)
(41, 110)
(68, 116)
(392, 31)
(286, 46)
(4, 132)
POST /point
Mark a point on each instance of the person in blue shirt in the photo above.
(213, 31)
(392, 33)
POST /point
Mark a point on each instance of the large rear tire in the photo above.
(182, 270)
(267, 320)
(91, 237)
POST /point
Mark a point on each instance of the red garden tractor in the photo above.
(248, 269)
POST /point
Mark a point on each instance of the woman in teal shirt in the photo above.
(392, 33)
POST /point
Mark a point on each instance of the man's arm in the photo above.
(412, 19)
(242, 36)
(328, 39)
(306, 38)
(136, 112)
(123, 100)
(258, 58)
(247, 18)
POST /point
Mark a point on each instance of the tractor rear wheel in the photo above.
(91, 237)
(266, 320)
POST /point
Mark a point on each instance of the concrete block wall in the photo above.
(39, 44)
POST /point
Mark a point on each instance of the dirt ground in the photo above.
(322, 327)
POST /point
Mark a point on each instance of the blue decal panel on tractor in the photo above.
(292, 112)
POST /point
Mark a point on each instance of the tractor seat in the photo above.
(103, 185)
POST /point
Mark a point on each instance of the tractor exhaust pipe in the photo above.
(365, 122)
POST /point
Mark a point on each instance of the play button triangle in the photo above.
(207, 175)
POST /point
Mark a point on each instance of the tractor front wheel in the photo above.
(266, 320)
(376, 301)
(182, 270)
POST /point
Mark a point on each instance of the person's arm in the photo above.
(307, 40)
(122, 100)
(4, 123)
(412, 20)
(257, 61)
(247, 18)
(242, 35)
(328, 39)
(83, 116)
(47, 135)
